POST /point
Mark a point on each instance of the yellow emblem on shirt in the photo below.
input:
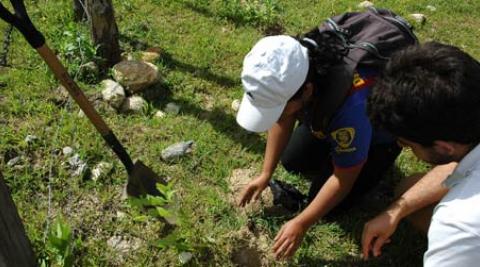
(357, 80)
(344, 138)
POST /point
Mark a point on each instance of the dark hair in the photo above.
(429, 92)
(328, 51)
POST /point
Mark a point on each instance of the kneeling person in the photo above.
(429, 96)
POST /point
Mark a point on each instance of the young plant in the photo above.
(79, 52)
(60, 246)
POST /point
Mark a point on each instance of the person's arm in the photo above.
(277, 140)
(428, 190)
(333, 191)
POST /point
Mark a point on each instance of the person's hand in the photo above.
(377, 232)
(288, 239)
(253, 190)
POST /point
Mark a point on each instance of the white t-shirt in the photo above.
(454, 233)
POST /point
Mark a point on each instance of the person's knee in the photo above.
(290, 165)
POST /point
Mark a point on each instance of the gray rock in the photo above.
(431, 8)
(172, 108)
(100, 170)
(134, 104)
(419, 18)
(15, 161)
(77, 165)
(30, 139)
(121, 214)
(177, 150)
(160, 114)
(365, 4)
(113, 93)
(123, 245)
(135, 76)
(185, 257)
(75, 160)
(67, 151)
(81, 170)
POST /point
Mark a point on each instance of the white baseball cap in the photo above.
(273, 71)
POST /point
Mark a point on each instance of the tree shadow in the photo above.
(236, 18)
(158, 96)
(198, 72)
(172, 63)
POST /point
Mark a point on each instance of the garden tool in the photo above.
(141, 179)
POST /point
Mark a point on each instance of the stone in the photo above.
(29, 139)
(134, 104)
(419, 18)
(135, 75)
(67, 151)
(185, 257)
(431, 8)
(160, 114)
(77, 165)
(365, 4)
(121, 214)
(122, 244)
(151, 57)
(113, 93)
(100, 170)
(15, 161)
(177, 150)
(236, 104)
(172, 108)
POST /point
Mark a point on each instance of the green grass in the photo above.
(203, 44)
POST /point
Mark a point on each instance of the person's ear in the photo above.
(444, 148)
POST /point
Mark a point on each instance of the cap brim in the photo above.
(257, 119)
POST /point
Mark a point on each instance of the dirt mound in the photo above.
(239, 179)
(251, 245)
(252, 249)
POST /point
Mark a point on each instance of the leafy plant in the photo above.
(60, 246)
(159, 207)
(79, 52)
(156, 205)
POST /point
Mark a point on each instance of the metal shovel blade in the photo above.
(143, 181)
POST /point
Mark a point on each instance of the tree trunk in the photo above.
(15, 248)
(78, 10)
(104, 31)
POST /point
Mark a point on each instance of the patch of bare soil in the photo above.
(237, 181)
(250, 249)
(250, 246)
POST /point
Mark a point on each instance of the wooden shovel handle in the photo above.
(61, 74)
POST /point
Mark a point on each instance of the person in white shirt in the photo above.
(429, 97)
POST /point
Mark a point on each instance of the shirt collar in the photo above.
(464, 168)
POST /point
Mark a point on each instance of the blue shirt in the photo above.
(350, 132)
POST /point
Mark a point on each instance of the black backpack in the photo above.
(370, 38)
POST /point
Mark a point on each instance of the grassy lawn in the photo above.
(203, 44)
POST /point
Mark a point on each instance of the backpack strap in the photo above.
(396, 20)
(363, 50)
